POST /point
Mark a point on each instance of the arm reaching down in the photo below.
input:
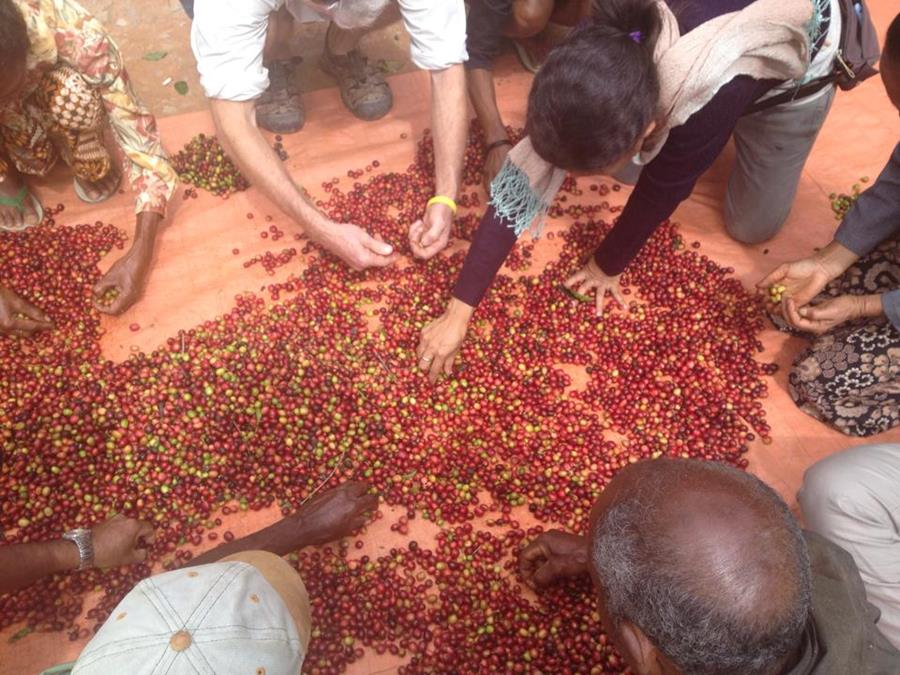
(481, 91)
(236, 123)
(117, 541)
(332, 515)
(487, 19)
(437, 32)
(450, 122)
(441, 340)
(228, 38)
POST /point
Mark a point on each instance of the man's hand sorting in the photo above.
(356, 247)
(335, 514)
(554, 555)
(121, 541)
(430, 235)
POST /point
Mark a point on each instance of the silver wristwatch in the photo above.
(85, 542)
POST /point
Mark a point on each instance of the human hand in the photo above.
(124, 283)
(430, 234)
(592, 277)
(442, 338)
(802, 279)
(332, 515)
(357, 248)
(554, 555)
(120, 541)
(19, 317)
(496, 156)
(821, 318)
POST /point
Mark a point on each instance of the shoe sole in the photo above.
(275, 127)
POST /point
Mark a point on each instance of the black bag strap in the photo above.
(857, 54)
(795, 94)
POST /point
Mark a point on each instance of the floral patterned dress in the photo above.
(76, 89)
(850, 377)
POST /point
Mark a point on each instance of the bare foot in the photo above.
(103, 189)
(12, 218)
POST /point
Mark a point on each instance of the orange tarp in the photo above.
(196, 276)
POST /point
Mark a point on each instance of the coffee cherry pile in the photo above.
(400, 198)
(454, 609)
(273, 401)
(203, 163)
(841, 203)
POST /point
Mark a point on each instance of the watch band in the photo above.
(84, 540)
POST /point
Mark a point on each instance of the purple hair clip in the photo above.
(636, 36)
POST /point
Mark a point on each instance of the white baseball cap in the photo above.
(215, 619)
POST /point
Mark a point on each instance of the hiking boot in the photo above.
(280, 108)
(363, 88)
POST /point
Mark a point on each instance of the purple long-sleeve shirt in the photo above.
(664, 183)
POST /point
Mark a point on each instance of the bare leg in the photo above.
(528, 18)
(537, 26)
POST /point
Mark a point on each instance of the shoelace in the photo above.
(359, 66)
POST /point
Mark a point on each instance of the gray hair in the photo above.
(740, 614)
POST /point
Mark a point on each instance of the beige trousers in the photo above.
(853, 499)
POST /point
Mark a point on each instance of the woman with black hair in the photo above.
(656, 91)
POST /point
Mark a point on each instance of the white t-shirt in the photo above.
(228, 37)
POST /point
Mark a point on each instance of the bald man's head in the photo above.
(706, 561)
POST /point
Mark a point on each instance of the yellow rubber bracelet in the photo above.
(441, 199)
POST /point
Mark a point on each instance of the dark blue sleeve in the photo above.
(669, 179)
(876, 214)
(484, 30)
(491, 244)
